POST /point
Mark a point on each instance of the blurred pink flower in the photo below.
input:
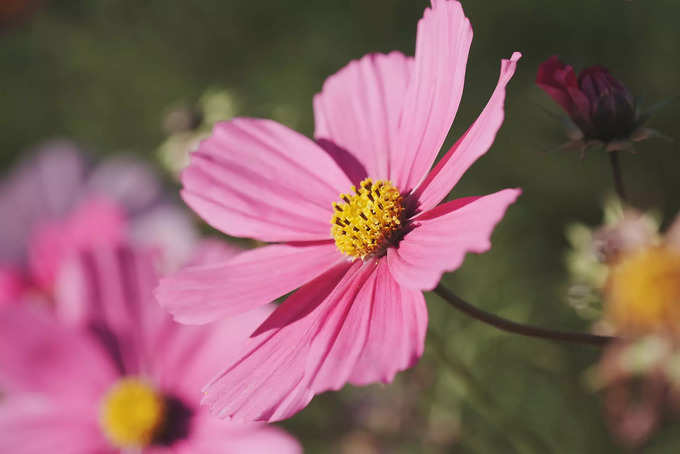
(360, 314)
(127, 383)
(638, 384)
(54, 204)
(94, 223)
(12, 285)
(600, 105)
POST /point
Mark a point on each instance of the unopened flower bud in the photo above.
(612, 107)
(599, 104)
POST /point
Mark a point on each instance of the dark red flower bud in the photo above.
(612, 107)
(597, 103)
(13, 12)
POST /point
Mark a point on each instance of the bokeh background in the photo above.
(106, 73)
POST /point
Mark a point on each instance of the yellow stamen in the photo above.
(643, 291)
(366, 221)
(131, 413)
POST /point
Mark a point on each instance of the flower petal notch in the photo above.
(356, 216)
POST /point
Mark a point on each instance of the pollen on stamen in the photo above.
(372, 213)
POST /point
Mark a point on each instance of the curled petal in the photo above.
(560, 82)
(474, 143)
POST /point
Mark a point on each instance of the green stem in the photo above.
(616, 171)
(518, 328)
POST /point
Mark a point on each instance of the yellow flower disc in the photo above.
(131, 413)
(364, 223)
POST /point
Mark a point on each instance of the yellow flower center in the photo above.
(365, 222)
(132, 412)
(643, 291)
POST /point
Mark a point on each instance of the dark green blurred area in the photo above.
(105, 73)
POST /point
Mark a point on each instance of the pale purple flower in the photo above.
(54, 204)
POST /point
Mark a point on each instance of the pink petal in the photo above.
(95, 223)
(13, 285)
(110, 291)
(205, 293)
(258, 179)
(213, 251)
(38, 354)
(272, 379)
(556, 79)
(350, 345)
(358, 111)
(342, 332)
(333, 330)
(431, 101)
(444, 235)
(112, 294)
(473, 144)
(398, 318)
(31, 426)
(183, 358)
(214, 436)
(560, 82)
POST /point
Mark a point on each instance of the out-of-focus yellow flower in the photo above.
(594, 250)
(639, 373)
(643, 291)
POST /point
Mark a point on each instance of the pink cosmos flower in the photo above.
(356, 219)
(125, 384)
(54, 204)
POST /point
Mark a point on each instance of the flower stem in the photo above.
(518, 328)
(616, 170)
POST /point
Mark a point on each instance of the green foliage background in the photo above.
(105, 72)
